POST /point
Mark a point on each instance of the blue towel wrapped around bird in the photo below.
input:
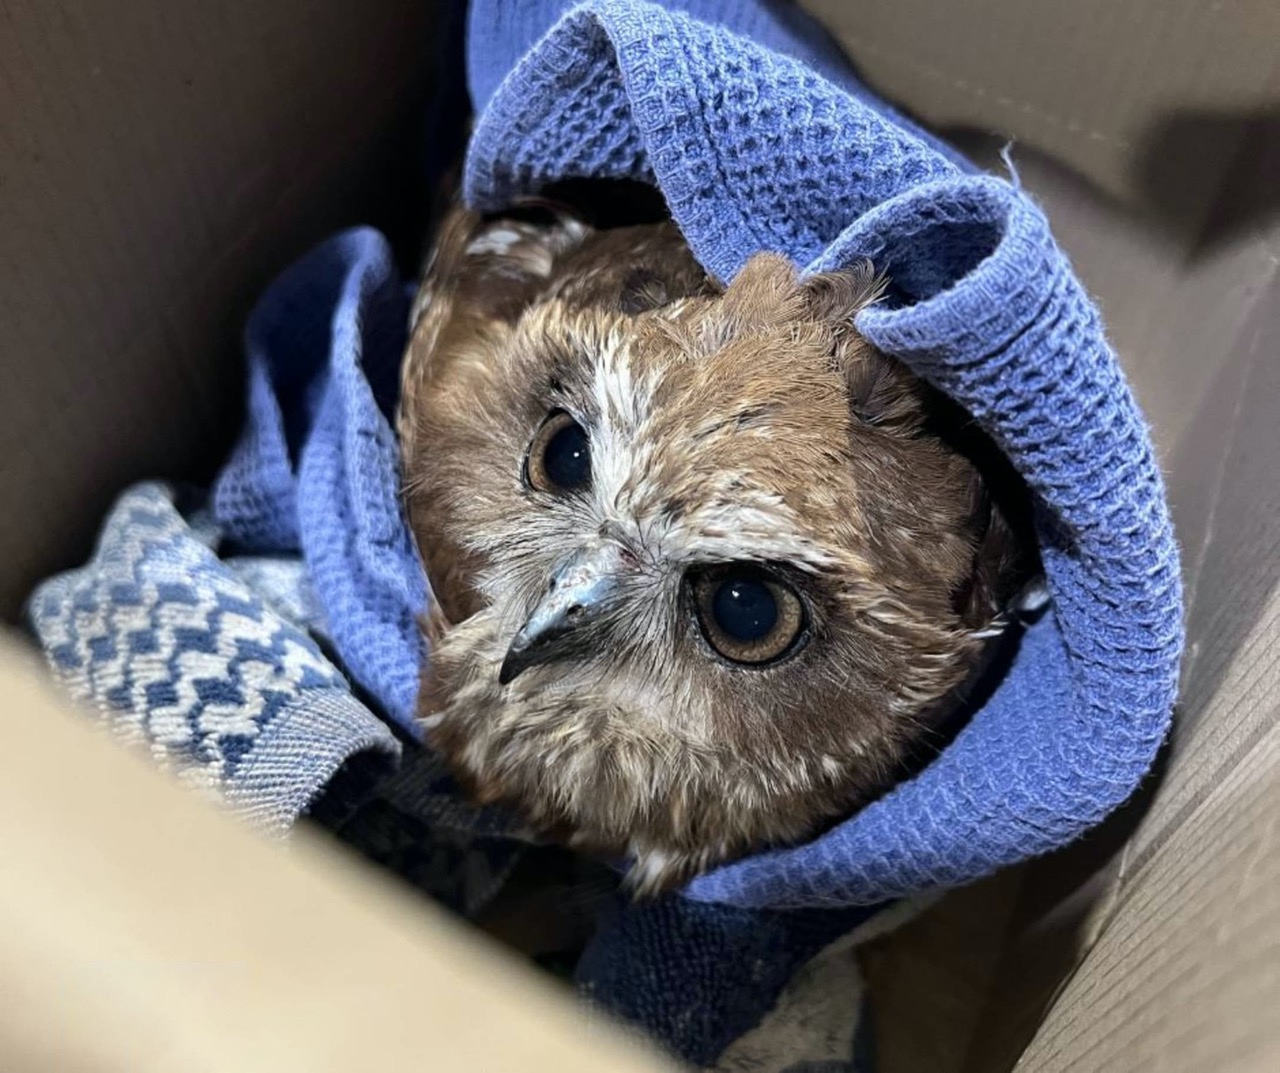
(759, 137)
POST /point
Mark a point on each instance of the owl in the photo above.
(706, 565)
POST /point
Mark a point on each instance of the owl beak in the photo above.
(580, 590)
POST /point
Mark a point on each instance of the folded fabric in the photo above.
(700, 977)
(754, 150)
(316, 468)
(208, 664)
(759, 137)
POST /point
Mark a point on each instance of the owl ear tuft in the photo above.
(768, 291)
(835, 298)
(878, 388)
(764, 293)
(881, 391)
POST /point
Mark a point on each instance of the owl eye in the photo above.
(747, 615)
(559, 458)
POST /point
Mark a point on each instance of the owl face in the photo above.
(706, 567)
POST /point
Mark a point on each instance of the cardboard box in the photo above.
(160, 162)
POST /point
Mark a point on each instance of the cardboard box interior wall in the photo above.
(159, 162)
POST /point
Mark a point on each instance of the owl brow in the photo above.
(565, 377)
(569, 361)
(798, 556)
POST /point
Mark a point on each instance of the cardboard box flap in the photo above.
(158, 164)
(145, 931)
(1125, 94)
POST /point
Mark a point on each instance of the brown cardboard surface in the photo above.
(1155, 942)
(158, 162)
(144, 931)
(928, 981)
(1184, 969)
(1125, 93)
(1185, 974)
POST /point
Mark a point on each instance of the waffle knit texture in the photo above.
(216, 631)
(760, 138)
(316, 469)
(755, 149)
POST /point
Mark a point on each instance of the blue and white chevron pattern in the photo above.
(171, 645)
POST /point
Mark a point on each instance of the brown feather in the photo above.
(727, 425)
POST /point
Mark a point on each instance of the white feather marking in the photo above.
(620, 453)
(650, 866)
(499, 241)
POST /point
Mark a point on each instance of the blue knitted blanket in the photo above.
(264, 640)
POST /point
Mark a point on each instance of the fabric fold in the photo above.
(754, 150)
(181, 657)
(316, 468)
(261, 674)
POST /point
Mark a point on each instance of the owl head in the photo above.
(704, 562)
